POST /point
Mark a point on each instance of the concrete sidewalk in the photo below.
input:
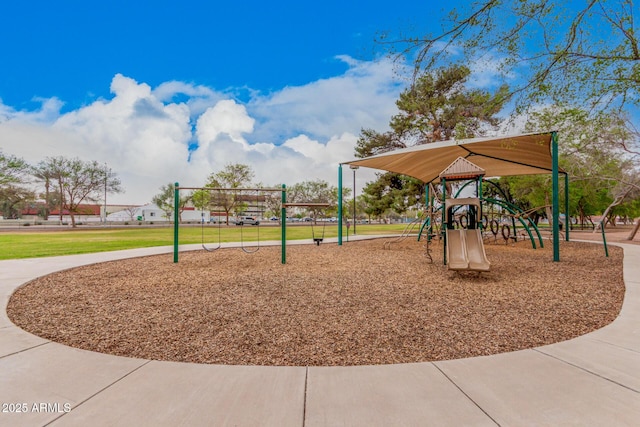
(590, 380)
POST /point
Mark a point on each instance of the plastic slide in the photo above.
(465, 251)
(456, 252)
(475, 251)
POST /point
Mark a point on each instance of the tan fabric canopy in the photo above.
(527, 154)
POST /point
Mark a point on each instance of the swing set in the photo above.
(220, 200)
(317, 239)
(259, 204)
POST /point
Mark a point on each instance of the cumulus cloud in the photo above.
(183, 132)
(363, 97)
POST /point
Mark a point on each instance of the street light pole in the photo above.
(354, 168)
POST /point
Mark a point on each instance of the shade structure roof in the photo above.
(524, 154)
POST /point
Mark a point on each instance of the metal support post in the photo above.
(556, 202)
(340, 205)
(176, 207)
(283, 224)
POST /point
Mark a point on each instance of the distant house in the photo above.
(149, 212)
(83, 213)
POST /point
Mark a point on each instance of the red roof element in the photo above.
(80, 210)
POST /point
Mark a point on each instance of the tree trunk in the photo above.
(46, 200)
(548, 210)
(605, 214)
(634, 231)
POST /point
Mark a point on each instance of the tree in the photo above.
(393, 192)
(201, 199)
(437, 107)
(165, 200)
(13, 177)
(13, 170)
(46, 175)
(317, 191)
(272, 201)
(581, 51)
(131, 211)
(79, 182)
(440, 107)
(232, 177)
(597, 151)
(13, 199)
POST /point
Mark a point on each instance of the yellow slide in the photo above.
(465, 251)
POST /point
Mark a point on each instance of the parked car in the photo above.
(248, 220)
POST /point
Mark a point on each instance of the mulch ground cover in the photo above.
(329, 305)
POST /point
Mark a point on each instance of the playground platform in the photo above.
(590, 380)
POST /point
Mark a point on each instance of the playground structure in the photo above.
(466, 222)
(317, 239)
(526, 154)
(463, 248)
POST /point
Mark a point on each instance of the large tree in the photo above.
(232, 178)
(563, 51)
(439, 106)
(599, 153)
(317, 191)
(79, 182)
(45, 174)
(165, 200)
(13, 170)
(14, 174)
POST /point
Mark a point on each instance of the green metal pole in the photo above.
(340, 205)
(443, 224)
(283, 224)
(427, 197)
(567, 222)
(176, 207)
(479, 219)
(604, 239)
(556, 203)
(432, 218)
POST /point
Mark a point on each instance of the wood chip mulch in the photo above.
(329, 305)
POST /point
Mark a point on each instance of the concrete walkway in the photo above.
(590, 380)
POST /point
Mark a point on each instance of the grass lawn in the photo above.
(33, 244)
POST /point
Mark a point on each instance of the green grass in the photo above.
(34, 244)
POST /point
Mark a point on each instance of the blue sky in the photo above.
(71, 49)
(166, 91)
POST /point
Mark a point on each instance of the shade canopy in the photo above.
(525, 154)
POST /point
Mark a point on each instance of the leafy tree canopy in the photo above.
(13, 170)
(438, 107)
(564, 50)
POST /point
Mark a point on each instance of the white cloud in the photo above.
(147, 136)
(363, 97)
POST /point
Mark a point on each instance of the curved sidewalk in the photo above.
(590, 380)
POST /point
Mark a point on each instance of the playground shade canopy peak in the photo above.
(524, 154)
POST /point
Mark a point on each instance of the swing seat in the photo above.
(318, 240)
